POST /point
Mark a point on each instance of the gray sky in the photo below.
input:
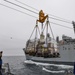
(19, 26)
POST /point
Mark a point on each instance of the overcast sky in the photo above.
(16, 27)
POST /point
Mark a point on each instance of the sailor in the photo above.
(1, 63)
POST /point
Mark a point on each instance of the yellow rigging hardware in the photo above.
(42, 16)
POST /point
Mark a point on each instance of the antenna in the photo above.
(73, 25)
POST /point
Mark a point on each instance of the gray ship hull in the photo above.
(50, 60)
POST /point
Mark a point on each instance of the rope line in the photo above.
(17, 10)
(33, 16)
(64, 20)
(20, 6)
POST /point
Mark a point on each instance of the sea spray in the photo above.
(61, 71)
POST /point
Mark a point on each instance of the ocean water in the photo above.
(20, 66)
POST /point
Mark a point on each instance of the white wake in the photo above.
(47, 64)
(61, 71)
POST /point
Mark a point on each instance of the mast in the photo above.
(73, 25)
